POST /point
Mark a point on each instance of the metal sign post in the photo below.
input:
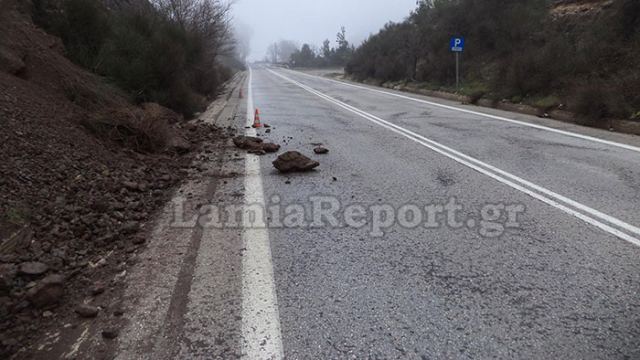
(457, 46)
(457, 71)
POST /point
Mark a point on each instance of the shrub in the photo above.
(131, 128)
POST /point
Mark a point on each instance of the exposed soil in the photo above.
(576, 9)
(82, 170)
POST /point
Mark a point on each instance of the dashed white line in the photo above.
(260, 315)
(569, 206)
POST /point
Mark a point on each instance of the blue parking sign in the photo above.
(457, 44)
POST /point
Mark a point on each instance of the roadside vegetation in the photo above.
(525, 51)
(175, 53)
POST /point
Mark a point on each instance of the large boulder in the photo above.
(294, 161)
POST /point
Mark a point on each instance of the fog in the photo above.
(313, 21)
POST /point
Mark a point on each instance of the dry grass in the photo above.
(132, 128)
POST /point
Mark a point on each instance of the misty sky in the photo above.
(312, 21)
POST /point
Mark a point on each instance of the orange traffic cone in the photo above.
(256, 119)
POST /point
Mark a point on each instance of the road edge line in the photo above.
(262, 338)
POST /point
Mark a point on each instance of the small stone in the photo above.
(97, 288)
(110, 333)
(7, 274)
(33, 268)
(321, 150)
(87, 311)
(179, 144)
(130, 185)
(270, 147)
(129, 227)
(138, 240)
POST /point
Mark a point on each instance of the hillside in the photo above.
(82, 169)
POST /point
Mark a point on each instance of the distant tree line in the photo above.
(326, 56)
(167, 51)
(515, 50)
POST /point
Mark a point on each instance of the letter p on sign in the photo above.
(457, 44)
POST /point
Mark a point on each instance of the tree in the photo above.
(273, 53)
(305, 57)
(326, 49)
(343, 52)
(280, 52)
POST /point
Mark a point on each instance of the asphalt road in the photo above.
(448, 231)
(563, 283)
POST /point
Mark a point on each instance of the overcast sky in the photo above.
(312, 21)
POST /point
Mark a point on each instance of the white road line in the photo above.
(581, 211)
(260, 316)
(494, 117)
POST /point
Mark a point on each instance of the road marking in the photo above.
(260, 316)
(515, 182)
(494, 117)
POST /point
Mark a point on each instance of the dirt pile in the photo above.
(81, 170)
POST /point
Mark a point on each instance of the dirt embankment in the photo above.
(81, 170)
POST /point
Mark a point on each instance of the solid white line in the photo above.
(260, 315)
(494, 117)
(495, 173)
